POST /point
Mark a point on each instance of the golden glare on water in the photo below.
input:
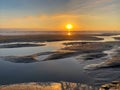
(69, 33)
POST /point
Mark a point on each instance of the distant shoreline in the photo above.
(46, 37)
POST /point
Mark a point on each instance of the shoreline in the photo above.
(94, 53)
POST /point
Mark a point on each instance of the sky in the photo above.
(55, 14)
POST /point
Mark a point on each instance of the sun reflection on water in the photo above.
(69, 34)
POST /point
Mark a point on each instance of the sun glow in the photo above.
(69, 33)
(69, 26)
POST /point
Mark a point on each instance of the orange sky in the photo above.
(84, 15)
(58, 22)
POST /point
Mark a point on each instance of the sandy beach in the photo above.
(93, 60)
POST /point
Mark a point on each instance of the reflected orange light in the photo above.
(69, 33)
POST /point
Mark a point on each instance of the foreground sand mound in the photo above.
(49, 86)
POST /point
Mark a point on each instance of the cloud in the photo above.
(90, 6)
(57, 16)
(54, 21)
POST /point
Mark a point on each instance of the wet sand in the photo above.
(88, 50)
(99, 59)
(46, 37)
(117, 38)
(18, 45)
(111, 86)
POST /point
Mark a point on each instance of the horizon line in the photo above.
(40, 29)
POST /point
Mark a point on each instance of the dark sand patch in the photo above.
(25, 59)
(22, 59)
(47, 37)
(108, 34)
(20, 45)
(92, 56)
(117, 38)
(60, 55)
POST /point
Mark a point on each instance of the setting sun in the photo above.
(69, 26)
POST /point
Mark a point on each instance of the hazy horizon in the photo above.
(44, 30)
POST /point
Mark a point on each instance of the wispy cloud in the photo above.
(90, 6)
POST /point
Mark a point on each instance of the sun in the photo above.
(69, 26)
